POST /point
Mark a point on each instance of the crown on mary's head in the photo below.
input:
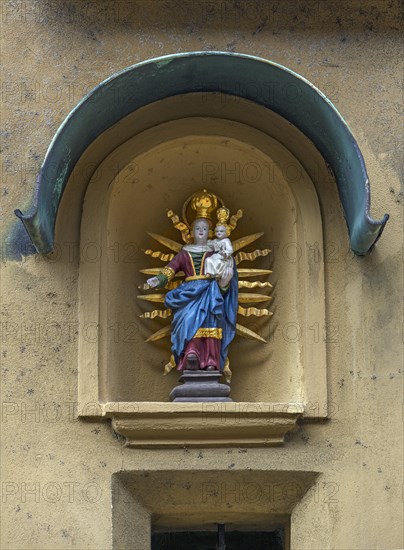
(204, 203)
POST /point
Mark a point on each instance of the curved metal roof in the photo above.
(259, 80)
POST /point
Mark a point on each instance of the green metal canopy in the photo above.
(228, 73)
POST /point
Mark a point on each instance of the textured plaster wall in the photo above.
(57, 471)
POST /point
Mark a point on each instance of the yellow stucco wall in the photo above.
(56, 471)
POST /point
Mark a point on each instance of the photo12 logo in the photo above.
(51, 491)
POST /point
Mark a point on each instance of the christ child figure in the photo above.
(220, 264)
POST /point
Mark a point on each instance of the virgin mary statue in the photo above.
(204, 307)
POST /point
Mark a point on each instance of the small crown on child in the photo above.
(223, 215)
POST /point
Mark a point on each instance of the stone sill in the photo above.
(151, 424)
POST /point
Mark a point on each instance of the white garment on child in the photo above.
(220, 264)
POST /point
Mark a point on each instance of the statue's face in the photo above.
(201, 231)
(220, 231)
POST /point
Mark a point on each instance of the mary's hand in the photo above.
(226, 277)
(153, 282)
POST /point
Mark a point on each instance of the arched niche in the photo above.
(127, 196)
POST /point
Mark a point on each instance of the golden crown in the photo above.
(223, 215)
(204, 203)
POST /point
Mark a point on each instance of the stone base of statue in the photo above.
(200, 386)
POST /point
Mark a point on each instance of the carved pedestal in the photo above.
(200, 386)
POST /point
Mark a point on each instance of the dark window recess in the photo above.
(208, 540)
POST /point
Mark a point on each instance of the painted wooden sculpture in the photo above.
(202, 282)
